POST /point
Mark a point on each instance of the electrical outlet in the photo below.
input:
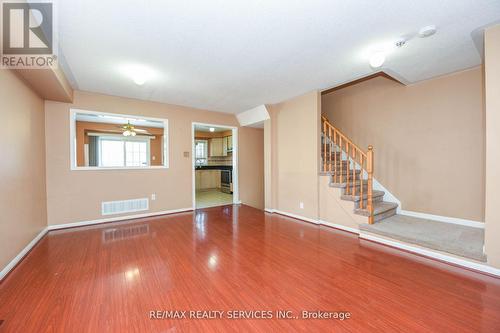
(301, 205)
(153, 196)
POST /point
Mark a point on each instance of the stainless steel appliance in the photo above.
(226, 181)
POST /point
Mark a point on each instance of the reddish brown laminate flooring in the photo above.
(108, 278)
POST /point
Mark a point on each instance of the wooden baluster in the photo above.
(330, 144)
(341, 164)
(354, 172)
(369, 169)
(348, 164)
(335, 167)
(361, 181)
(324, 146)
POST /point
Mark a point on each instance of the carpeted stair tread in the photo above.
(378, 208)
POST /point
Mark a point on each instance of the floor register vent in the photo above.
(125, 206)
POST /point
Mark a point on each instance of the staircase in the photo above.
(351, 169)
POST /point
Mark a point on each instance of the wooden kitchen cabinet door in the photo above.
(216, 147)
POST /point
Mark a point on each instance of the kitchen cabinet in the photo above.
(217, 147)
(224, 146)
(207, 179)
(227, 145)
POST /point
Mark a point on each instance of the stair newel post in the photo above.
(369, 170)
(348, 167)
(324, 146)
(354, 172)
(361, 179)
(335, 168)
(341, 177)
(330, 146)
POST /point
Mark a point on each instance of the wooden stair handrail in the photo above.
(332, 138)
(342, 135)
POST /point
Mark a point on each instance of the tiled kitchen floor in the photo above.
(210, 198)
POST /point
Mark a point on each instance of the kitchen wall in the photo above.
(22, 169)
(428, 139)
(216, 160)
(82, 200)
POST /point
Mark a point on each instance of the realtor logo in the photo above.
(27, 35)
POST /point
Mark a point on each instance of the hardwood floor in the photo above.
(108, 278)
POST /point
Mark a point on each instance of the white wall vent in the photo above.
(125, 206)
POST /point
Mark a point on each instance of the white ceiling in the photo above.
(232, 55)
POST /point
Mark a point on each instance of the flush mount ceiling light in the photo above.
(377, 59)
(427, 31)
(140, 74)
(211, 129)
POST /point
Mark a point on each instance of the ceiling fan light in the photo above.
(133, 133)
(127, 133)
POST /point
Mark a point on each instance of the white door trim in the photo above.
(236, 187)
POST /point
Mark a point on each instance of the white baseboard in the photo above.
(116, 218)
(433, 255)
(414, 249)
(444, 219)
(339, 226)
(295, 216)
(21, 254)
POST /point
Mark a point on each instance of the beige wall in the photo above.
(251, 166)
(294, 135)
(22, 169)
(82, 200)
(492, 80)
(428, 139)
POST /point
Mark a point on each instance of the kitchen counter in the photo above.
(214, 167)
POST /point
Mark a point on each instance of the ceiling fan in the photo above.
(129, 130)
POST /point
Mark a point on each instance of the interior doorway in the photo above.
(214, 165)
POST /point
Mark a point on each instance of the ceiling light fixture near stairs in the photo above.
(377, 59)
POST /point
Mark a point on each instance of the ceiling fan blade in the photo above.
(140, 130)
